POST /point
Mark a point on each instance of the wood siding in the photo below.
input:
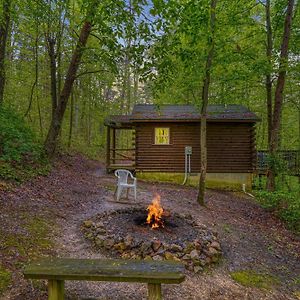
(230, 147)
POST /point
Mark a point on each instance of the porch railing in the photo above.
(288, 159)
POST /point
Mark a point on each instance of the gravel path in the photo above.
(243, 244)
(251, 238)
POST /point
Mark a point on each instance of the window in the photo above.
(162, 136)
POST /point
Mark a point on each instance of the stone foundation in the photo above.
(227, 181)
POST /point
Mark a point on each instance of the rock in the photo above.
(194, 255)
(212, 252)
(197, 269)
(101, 231)
(89, 235)
(148, 257)
(160, 251)
(99, 224)
(186, 257)
(190, 267)
(197, 263)
(145, 247)
(128, 241)
(120, 246)
(157, 257)
(125, 255)
(166, 246)
(197, 246)
(189, 247)
(156, 245)
(202, 262)
(188, 216)
(108, 243)
(169, 256)
(136, 244)
(88, 223)
(179, 254)
(176, 248)
(136, 257)
(216, 245)
(99, 241)
(207, 260)
(215, 259)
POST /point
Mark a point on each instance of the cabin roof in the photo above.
(189, 112)
(183, 113)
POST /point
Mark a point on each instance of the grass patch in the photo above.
(28, 240)
(39, 229)
(31, 241)
(251, 278)
(5, 279)
(227, 228)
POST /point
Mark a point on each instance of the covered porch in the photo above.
(120, 143)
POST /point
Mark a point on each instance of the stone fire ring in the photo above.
(121, 233)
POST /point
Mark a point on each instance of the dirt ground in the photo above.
(77, 189)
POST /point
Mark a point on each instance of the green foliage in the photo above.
(5, 279)
(17, 140)
(21, 156)
(250, 278)
(285, 204)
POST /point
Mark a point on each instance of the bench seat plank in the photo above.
(154, 272)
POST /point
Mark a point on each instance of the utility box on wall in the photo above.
(188, 150)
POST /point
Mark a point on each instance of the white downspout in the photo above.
(244, 190)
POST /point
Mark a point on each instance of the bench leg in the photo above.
(56, 290)
(154, 291)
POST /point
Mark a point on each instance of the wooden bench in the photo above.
(57, 270)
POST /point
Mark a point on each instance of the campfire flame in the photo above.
(155, 212)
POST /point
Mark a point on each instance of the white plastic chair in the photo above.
(122, 182)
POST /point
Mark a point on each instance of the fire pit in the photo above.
(155, 234)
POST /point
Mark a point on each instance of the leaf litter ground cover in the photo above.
(78, 189)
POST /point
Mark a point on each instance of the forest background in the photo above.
(138, 51)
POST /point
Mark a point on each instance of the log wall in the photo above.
(230, 147)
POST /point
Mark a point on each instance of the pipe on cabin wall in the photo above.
(187, 165)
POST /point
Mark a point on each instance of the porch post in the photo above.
(114, 145)
(107, 148)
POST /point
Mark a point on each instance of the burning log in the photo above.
(155, 213)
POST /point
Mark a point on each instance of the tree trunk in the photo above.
(36, 60)
(298, 159)
(135, 86)
(269, 50)
(53, 72)
(56, 122)
(71, 120)
(205, 91)
(276, 119)
(4, 28)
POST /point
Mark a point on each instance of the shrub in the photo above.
(285, 204)
(20, 153)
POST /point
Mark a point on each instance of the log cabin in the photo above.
(165, 143)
